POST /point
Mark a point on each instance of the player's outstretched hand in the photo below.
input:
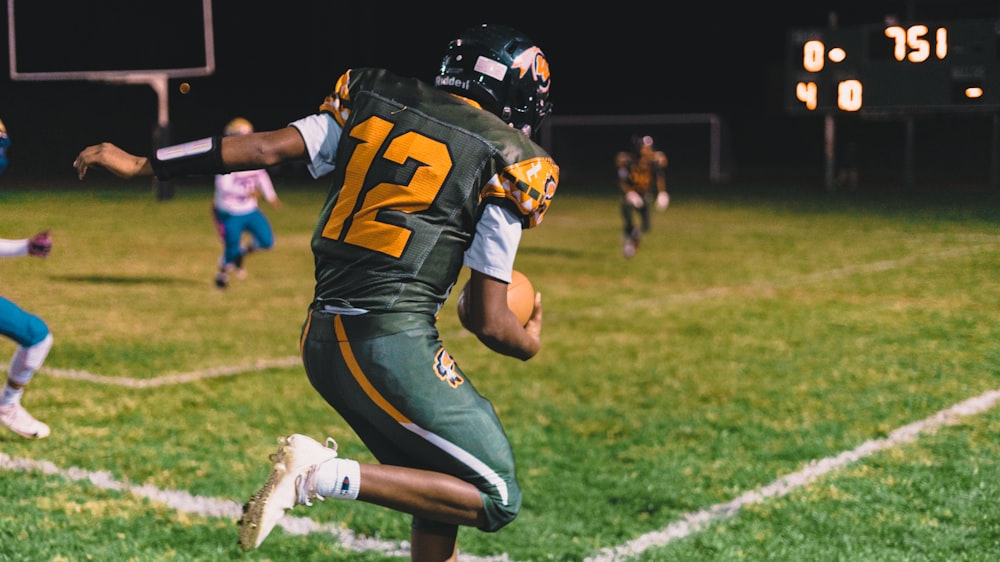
(662, 201)
(40, 245)
(113, 159)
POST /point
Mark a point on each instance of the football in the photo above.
(520, 298)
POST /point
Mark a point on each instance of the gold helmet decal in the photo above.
(533, 60)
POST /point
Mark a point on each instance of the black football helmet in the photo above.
(503, 71)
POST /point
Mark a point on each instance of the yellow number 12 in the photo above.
(365, 229)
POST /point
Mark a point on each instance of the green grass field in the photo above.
(687, 404)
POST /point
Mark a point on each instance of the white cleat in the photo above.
(629, 249)
(18, 420)
(292, 482)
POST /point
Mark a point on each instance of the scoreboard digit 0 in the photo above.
(920, 66)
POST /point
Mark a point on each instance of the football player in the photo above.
(642, 181)
(426, 179)
(235, 211)
(26, 330)
(33, 340)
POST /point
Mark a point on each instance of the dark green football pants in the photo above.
(391, 379)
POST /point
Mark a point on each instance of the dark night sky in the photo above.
(276, 60)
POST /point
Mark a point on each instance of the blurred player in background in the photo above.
(33, 340)
(4, 145)
(236, 211)
(27, 330)
(425, 180)
(642, 181)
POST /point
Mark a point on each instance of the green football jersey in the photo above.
(415, 166)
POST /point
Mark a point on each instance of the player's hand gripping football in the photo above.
(112, 158)
(40, 245)
(534, 324)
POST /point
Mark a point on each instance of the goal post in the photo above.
(117, 42)
(717, 149)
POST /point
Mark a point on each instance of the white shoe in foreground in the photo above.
(292, 482)
(18, 420)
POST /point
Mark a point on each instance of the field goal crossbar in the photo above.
(717, 173)
(157, 79)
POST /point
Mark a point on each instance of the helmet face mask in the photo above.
(503, 71)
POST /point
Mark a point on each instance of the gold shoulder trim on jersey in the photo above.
(338, 102)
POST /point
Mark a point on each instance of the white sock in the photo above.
(339, 478)
(10, 396)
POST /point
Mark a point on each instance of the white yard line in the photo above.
(178, 378)
(790, 281)
(693, 522)
(200, 505)
(687, 524)
(885, 265)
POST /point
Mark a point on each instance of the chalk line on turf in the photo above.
(178, 378)
(687, 524)
(690, 523)
(690, 296)
(647, 304)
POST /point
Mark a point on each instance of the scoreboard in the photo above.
(894, 67)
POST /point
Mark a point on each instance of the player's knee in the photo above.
(501, 510)
(499, 518)
(37, 332)
(263, 241)
(35, 355)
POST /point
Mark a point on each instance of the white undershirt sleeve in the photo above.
(13, 248)
(494, 247)
(321, 134)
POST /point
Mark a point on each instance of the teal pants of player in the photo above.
(391, 379)
(231, 229)
(23, 327)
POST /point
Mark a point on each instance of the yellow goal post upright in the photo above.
(718, 149)
(111, 55)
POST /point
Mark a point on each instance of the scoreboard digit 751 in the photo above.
(893, 67)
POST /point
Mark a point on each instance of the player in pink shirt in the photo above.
(235, 211)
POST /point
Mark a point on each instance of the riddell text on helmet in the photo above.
(451, 81)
